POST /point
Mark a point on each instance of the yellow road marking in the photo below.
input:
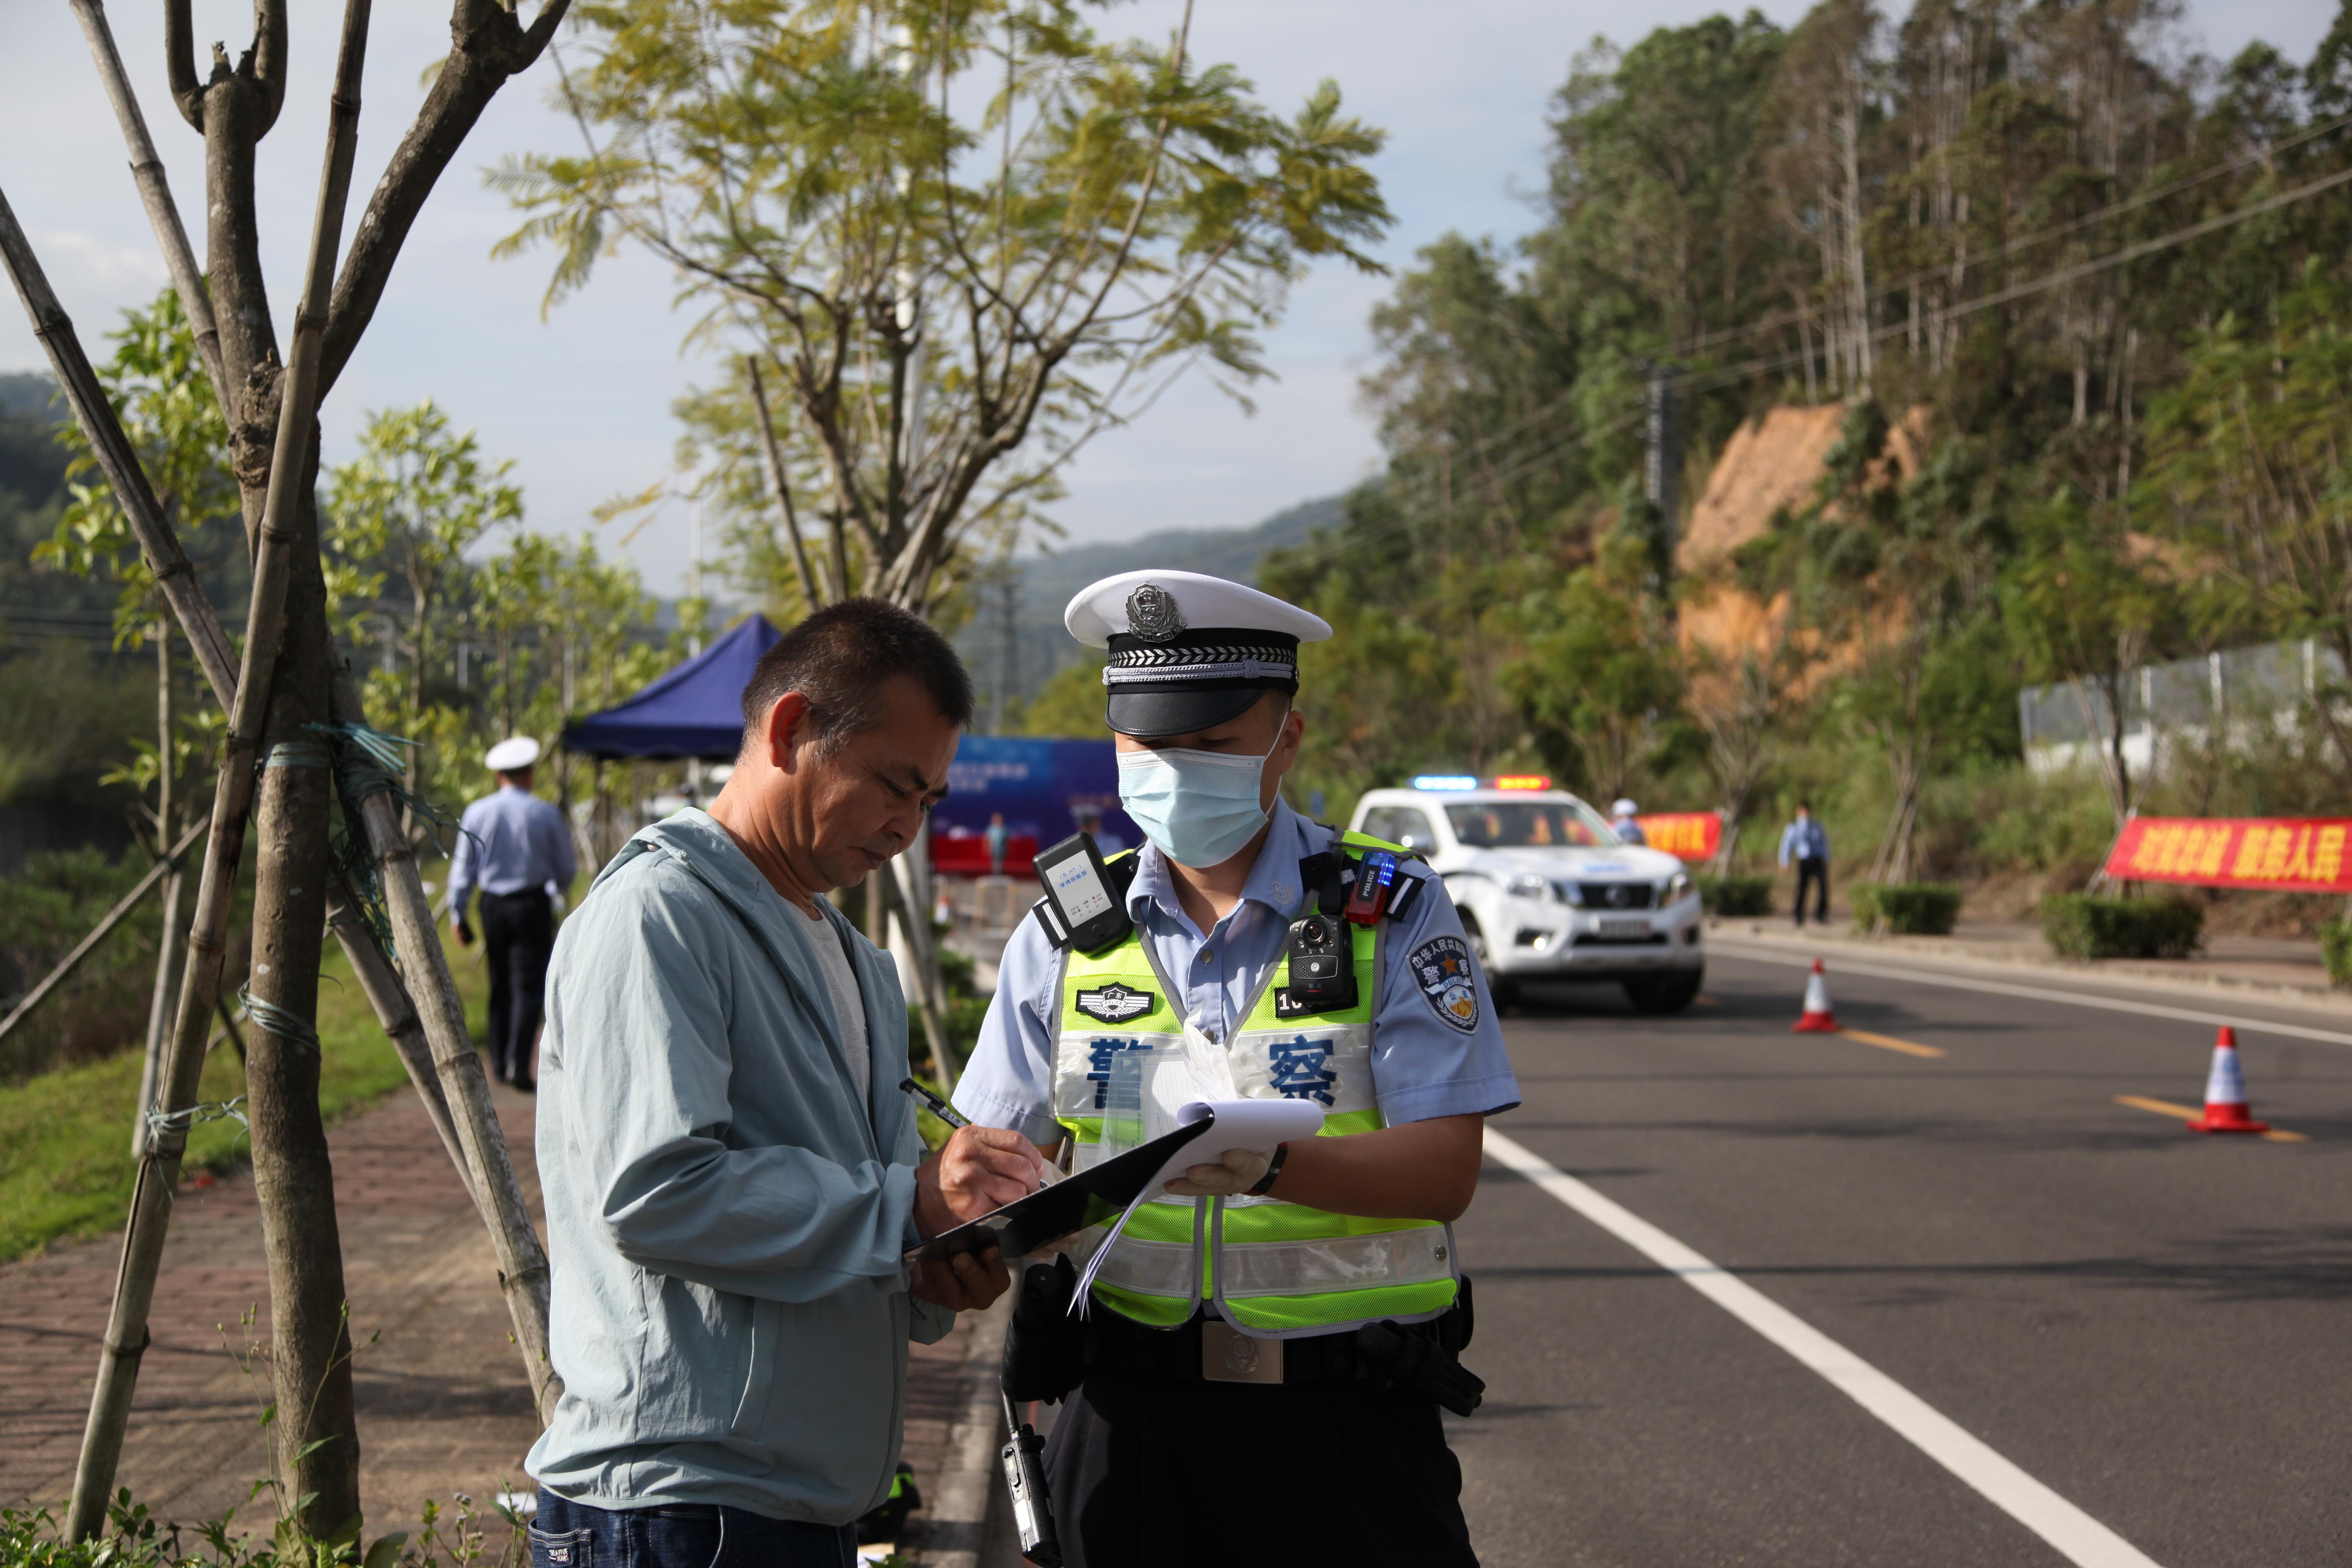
(2191, 1112)
(1889, 1043)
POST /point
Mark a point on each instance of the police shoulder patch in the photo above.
(1442, 968)
(1115, 1003)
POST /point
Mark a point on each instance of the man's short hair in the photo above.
(841, 658)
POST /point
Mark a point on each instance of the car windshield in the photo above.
(1529, 825)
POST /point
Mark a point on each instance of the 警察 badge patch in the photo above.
(1114, 1002)
(1442, 968)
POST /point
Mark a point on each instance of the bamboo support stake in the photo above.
(143, 1243)
(154, 192)
(202, 627)
(523, 1261)
(394, 1009)
(105, 927)
(401, 1026)
(175, 575)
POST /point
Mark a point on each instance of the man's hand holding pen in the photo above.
(977, 1171)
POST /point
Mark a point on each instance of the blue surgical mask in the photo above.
(1200, 808)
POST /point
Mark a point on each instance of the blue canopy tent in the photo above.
(695, 710)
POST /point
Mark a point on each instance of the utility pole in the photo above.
(1662, 462)
(1008, 643)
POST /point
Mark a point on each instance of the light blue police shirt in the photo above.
(507, 842)
(1425, 1064)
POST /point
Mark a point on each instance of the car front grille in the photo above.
(1618, 895)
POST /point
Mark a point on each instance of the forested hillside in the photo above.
(1041, 587)
(2095, 282)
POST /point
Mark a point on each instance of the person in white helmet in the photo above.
(515, 848)
(1625, 818)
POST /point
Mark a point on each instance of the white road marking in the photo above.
(2076, 1536)
(2044, 994)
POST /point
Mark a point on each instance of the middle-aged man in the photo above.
(731, 1175)
(516, 848)
(1807, 842)
(1227, 1412)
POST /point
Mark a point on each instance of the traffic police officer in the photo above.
(1231, 1408)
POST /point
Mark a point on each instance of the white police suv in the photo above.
(1547, 891)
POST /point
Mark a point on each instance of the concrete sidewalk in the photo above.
(443, 1405)
(2273, 970)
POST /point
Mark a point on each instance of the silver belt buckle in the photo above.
(1228, 1356)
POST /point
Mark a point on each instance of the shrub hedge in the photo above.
(2083, 925)
(2335, 948)
(1736, 897)
(1907, 909)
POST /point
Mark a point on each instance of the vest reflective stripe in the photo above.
(1337, 1263)
(1274, 1269)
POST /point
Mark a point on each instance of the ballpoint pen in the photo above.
(955, 1118)
(933, 1103)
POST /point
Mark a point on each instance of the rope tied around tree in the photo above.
(368, 762)
(285, 1024)
(189, 1117)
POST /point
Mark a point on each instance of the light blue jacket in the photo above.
(724, 1219)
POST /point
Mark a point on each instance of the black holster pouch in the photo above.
(1427, 1362)
(1045, 1348)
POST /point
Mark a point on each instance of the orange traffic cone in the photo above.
(2226, 1109)
(1818, 1019)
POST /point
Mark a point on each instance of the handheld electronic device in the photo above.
(1083, 896)
(1022, 1459)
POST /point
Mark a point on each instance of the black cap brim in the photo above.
(1181, 709)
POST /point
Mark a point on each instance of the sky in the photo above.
(580, 400)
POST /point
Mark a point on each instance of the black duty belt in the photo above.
(1212, 1350)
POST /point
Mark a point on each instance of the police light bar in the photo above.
(1444, 782)
(1522, 781)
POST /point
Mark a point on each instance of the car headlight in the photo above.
(1677, 885)
(1527, 885)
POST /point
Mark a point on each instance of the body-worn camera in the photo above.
(1322, 968)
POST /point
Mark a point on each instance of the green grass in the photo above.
(65, 1160)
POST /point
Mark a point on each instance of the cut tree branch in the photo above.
(488, 45)
(155, 192)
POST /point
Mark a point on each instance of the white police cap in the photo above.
(1187, 650)
(511, 755)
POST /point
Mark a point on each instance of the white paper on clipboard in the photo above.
(1237, 1124)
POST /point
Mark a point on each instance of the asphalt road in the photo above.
(2154, 1326)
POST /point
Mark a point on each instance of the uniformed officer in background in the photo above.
(517, 849)
(1261, 1364)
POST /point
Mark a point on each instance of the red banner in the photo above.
(2283, 854)
(1693, 834)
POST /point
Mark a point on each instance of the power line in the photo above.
(2138, 199)
(1729, 374)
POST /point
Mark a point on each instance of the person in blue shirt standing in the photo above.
(517, 848)
(1807, 843)
(1242, 1385)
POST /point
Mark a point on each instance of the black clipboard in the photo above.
(1092, 1196)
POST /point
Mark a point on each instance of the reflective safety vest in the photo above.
(1275, 1269)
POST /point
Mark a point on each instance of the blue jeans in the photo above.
(568, 1534)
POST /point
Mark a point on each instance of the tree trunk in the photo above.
(316, 1432)
(164, 1004)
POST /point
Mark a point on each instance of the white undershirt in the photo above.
(841, 981)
